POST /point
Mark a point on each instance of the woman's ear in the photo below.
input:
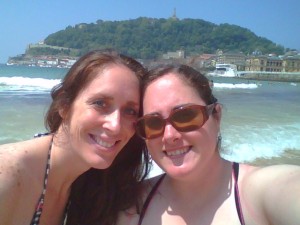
(218, 112)
(62, 112)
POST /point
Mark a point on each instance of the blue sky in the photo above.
(23, 22)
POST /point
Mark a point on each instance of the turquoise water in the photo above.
(260, 119)
(24, 99)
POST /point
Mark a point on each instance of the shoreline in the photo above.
(291, 157)
(272, 76)
(264, 76)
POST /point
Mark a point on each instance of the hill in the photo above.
(149, 38)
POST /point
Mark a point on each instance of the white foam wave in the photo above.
(250, 142)
(233, 86)
(27, 84)
(264, 141)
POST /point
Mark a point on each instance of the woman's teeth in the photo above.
(103, 143)
(176, 152)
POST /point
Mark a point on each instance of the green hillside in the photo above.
(148, 38)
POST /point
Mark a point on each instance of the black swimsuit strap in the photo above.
(236, 193)
(148, 199)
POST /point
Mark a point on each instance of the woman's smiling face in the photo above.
(102, 117)
(178, 153)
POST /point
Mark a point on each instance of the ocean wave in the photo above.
(265, 141)
(235, 86)
(26, 84)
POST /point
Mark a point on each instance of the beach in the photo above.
(260, 125)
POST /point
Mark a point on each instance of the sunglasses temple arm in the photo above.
(210, 108)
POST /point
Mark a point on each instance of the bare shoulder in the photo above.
(266, 175)
(11, 155)
(10, 160)
(13, 158)
(17, 161)
(272, 192)
(270, 179)
(11, 173)
(20, 157)
(19, 173)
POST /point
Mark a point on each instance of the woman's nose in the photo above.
(113, 122)
(171, 134)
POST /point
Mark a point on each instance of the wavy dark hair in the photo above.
(188, 74)
(97, 196)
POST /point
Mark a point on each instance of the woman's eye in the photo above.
(100, 103)
(131, 112)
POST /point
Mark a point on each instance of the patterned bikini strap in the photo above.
(40, 204)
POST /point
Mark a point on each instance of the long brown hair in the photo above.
(98, 195)
(79, 76)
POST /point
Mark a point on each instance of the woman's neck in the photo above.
(65, 165)
(202, 186)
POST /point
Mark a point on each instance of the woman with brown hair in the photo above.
(91, 156)
(198, 186)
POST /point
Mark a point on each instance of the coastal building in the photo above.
(288, 63)
(66, 62)
(269, 63)
(273, 64)
(291, 63)
(202, 61)
(179, 54)
(236, 58)
(41, 44)
(255, 63)
(42, 61)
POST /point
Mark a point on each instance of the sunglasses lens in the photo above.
(187, 119)
(151, 127)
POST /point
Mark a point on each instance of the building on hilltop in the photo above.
(179, 54)
(174, 17)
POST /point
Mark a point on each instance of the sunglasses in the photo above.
(183, 119)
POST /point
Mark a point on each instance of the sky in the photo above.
(24, 22)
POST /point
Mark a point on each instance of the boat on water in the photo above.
(224, 70)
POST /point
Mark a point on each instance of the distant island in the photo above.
(149, 38)
(154, 41)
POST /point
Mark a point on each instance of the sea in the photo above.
(260, 120)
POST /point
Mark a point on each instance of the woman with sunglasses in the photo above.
(90, 163)
(181, 127)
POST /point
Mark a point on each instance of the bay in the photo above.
(260, 121)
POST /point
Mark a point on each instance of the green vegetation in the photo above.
(47, 51)
(43, 49)
(149, 38)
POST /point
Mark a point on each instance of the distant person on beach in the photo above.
(91, 155)
(182, 134)
(211, 83)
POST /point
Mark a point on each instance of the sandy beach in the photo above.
(288, 157)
